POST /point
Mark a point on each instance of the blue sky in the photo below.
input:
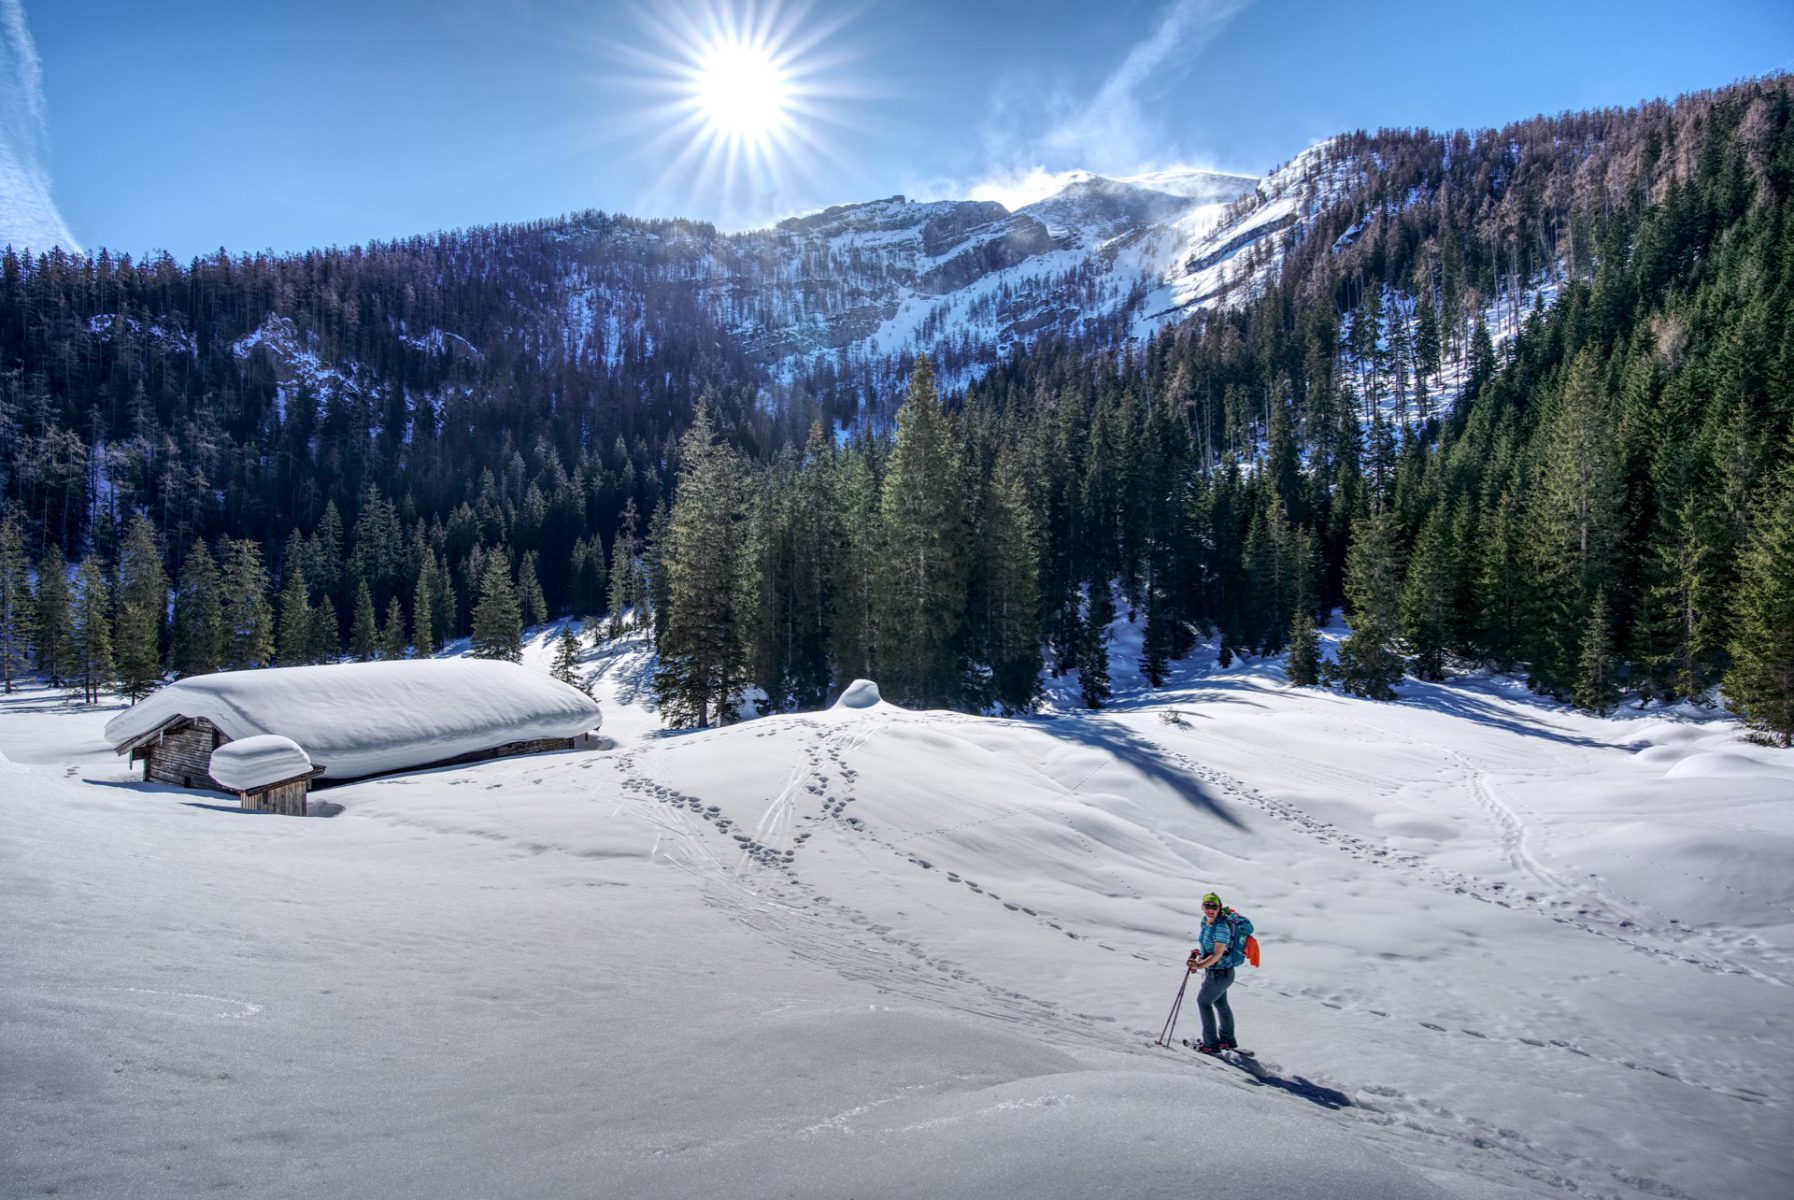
(192, 124)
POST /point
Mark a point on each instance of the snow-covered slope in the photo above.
(1509, 949)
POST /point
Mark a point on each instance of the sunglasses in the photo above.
(1214, 907)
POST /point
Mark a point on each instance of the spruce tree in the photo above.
(1093, 654)
(198, 615)
(1426, 600)
(703, 653)
(392, 633)
(53, 614)
(531, 604)
(325, 644)
(139, 660)
(364, 626)
(497, 617)
(566, 658)
(142, 579)
(293, 630)
(18, 608)
(90, 665)
(1304, 667)
(423, 637)
(247, 619)
(1596, 687)
(921, 582)
(1368, 664)
(1760, 683)
(1009, 589)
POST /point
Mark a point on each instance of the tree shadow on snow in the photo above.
(1141, 755)
(1454, 701)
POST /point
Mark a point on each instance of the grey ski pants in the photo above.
(1212, 998)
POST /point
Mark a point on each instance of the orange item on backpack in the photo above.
(1252, 949)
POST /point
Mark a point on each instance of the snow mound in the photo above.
(861, 693)
(368, 718)
(257, 761)
(1710, 764)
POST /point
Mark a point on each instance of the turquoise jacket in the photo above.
(1230, 929)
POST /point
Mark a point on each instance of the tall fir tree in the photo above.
(531, 604)
(293, 630)
(247, 619)
(497, 617)
(90, 664)
(198, 615)
(393, 642)
(1304, 664)
(143, 584)
(1760, 682)
(1427, 599)
(423, 634)
(326, 641)
(1093, 654)
(921, 582)
(53, 614)
(566, 657)
(1368, 664)
(364, 626)
(18, 607)
(703, 654)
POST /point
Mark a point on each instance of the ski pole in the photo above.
(1176, 1007)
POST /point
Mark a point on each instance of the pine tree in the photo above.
(90, 649)
(1596, 686)
(198, 615)
(139, 662)
(247, 619)
(293, 631)
(1010, 591)
(921, 583)
(143, 584)
(1426, 601)
(566, 658)
(1304, 668)
(703, 654)
(52, 618)
(531, 604)
(325, 645)
(1093, 654)
(364, 627)
(1760, 683)
(625, 570)
(392, 633)
(18, 608)
(423, 638)
(1575, 524)
(497, 617)
(1368, 664)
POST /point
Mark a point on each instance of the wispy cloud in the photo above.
(1037, 133)
(28, 212)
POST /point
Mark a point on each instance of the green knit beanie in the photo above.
(1213, 899)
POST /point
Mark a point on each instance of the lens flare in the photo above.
(739, 103)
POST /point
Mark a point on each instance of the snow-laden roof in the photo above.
(365, 718)
(258, 761)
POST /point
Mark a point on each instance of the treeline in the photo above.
(1590, 490)
(1605, 507)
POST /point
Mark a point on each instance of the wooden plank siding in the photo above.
(182, 755)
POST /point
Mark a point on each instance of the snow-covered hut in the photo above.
(353, 719)
(268, 773)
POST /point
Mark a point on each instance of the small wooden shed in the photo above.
(267, 773)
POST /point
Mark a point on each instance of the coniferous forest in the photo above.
(1520, 399)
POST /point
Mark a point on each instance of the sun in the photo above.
(741, 91)
(740, 104)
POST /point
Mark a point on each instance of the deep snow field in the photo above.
(1509, 950)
